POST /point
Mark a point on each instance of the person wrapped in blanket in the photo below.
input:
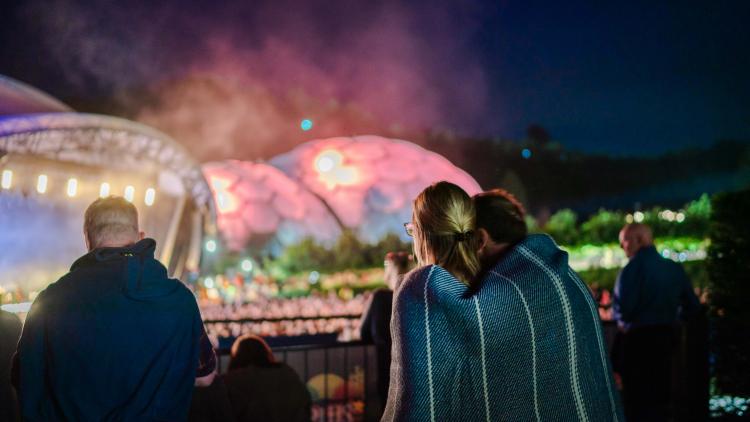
(491, 327)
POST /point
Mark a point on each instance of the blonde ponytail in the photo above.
(445, 230)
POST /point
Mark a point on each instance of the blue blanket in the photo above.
(527, 346)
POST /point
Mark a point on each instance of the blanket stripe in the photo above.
(429, 345)
(484, 360)
(573, 359)
(533, 343)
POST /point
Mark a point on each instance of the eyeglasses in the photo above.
(409, 227)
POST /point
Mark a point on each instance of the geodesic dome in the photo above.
(258, 205)
(369, 182)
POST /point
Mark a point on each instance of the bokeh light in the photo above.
(306, 124)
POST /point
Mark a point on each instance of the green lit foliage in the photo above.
(603, 227)
(562, 227)
(531, 224)
(729, 272)
(348, 253)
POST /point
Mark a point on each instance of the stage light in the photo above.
(246, 265)
(104, 190)
(680, 217)
(150, 196)
(129, 193)
(209, 283)
(306, 124)
(638, 216)
(72, 187)
(211, 246)
(7, 179)
(41, 183)
(526, 153)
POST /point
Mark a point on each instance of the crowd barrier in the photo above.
(342, 383)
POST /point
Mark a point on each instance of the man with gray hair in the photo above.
(115, 338)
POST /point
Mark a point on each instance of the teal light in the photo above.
(306, 124)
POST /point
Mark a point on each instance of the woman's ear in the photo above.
(484, 239)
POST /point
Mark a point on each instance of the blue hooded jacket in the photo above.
(114, 339)
(527, 346)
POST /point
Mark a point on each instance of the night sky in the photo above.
(234, 79)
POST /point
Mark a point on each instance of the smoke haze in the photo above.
(235, 80)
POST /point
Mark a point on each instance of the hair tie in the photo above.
(460, 237)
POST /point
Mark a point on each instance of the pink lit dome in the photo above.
(369, 181)
(257, 205)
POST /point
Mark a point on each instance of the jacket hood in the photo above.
(143, 277)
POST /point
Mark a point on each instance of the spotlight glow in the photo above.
(150, 196)
(129, 193)
(7, 179)
(246, 265)
(72, 187)
(104, 190)
(211, 246)
(327, 160)
(638, 216)
(41, 183)
(332, 171)
(526, 153)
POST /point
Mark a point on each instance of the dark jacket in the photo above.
(114, 339)
(376, 328)
(211, 404)
(10, 331)
(652, 290)
(527, 345)
(269, 394)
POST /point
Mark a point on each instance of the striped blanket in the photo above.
(527, 346)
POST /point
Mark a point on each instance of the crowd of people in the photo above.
(277, 317)
(488, 304)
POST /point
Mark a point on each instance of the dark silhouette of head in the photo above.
(251, 350)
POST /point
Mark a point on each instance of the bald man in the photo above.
(115, 338)
(651, 293)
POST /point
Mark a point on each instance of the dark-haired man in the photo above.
(553, 356)
(115, 338)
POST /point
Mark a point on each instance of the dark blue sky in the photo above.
(625, 77)
(622, 78)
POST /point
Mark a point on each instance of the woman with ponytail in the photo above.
(433, 376)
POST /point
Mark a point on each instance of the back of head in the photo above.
(111, 222)
(250, 350)
(399, 261)
(444, 230)
(501, 215)
(634, 237)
